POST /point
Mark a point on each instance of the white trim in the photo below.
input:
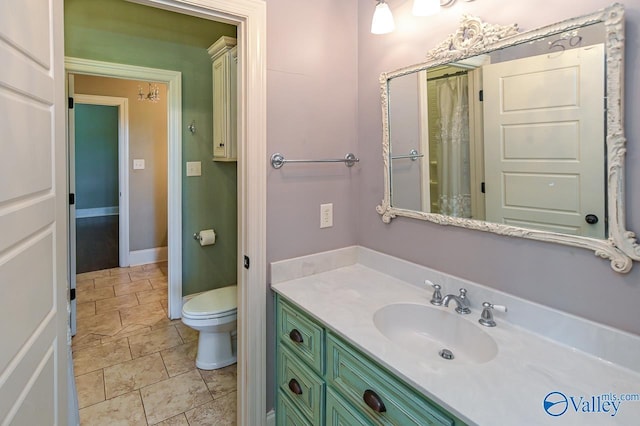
(97, 211)
(152, 255)
(250, 16)
(123, 159)
(173, 79)
(271, 418)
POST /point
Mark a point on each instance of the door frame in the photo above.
(173, 80)
(250, 17)
(123, 165)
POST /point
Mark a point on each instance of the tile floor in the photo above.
(133, 365)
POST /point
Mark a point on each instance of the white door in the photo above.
(33, 215)
(545, 155)
(71, 147)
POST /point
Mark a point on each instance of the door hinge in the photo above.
(72, 199)
(70, 102)
(481, 95)
(247, 262)
(72, 294)
(482, 187)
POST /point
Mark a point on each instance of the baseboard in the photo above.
(98, 211)
(271, 418)
(152, 255)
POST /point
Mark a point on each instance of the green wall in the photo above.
(96, 156)
(121, 32)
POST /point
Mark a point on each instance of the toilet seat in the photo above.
(218, 303)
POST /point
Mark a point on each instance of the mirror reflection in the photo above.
(513, 136)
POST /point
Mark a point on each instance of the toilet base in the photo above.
(215, 350)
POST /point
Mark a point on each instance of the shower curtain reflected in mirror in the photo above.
(451, 138)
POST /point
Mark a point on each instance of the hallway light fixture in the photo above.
(152, 95)
(382, 22)
(430, 7)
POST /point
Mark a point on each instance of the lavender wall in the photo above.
(312, 113)
(566, 278)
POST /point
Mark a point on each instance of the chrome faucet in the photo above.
(462, 303)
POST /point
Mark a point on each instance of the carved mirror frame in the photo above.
(474, 37)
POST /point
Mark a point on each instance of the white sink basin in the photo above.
(426, 331)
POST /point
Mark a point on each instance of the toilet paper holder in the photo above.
(196, 236)
(205, 237)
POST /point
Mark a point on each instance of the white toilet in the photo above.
(214, 315)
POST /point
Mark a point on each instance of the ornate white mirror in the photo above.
(519, 134)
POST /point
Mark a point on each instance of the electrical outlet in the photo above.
(194, 168)
(138, 164)
(326, 215)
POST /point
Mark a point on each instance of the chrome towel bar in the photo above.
(413, 154)
(278, 160)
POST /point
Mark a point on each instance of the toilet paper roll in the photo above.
(207, 237)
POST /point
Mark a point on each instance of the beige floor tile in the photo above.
(131, 375)
(220, 412)
(187, 333)
(84, 310)
(110, 281)
(123, 271)
(133, 287)
(116, 303)
(180, 359)
(123, 410)
(173, 396)
(84, 285)
(154, 341)
(145, 275)
(167, 323)
(94, 358)
(150, 314)
(84, 341)
(105, 324)
(91, 275)
(91, 295)
(90, 388)
(151, 266)
(152, 296)
(157, 283)
(130, 330)
(179, 420)
(221, 381)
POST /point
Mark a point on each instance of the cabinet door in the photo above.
(220, 106)
(287, 414)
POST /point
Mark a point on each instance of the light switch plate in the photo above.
(326, 215)
(138, 164)
(194, 168)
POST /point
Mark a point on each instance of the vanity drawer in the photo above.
(287, 414)
(353, 375)
(341, 413)
(304, 388)
(301, 334)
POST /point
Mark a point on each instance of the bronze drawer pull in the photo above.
(374, 401)
(294, 386)
(296, 336)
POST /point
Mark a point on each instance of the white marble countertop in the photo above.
(507, 390)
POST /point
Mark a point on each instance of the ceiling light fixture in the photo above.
(430, 7)
(382, 22)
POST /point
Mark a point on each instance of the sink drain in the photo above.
(446, 354)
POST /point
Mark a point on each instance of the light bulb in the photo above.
(425, 7)
(382, 19)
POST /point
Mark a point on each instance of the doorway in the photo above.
(250, 18)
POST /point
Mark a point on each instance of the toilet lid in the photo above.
(216, 302)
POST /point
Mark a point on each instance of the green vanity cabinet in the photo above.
(324, 380)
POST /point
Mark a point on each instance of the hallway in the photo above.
(133, 365)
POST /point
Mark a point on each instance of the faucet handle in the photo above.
(486, 317)
(436, 299)
(463, 293)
